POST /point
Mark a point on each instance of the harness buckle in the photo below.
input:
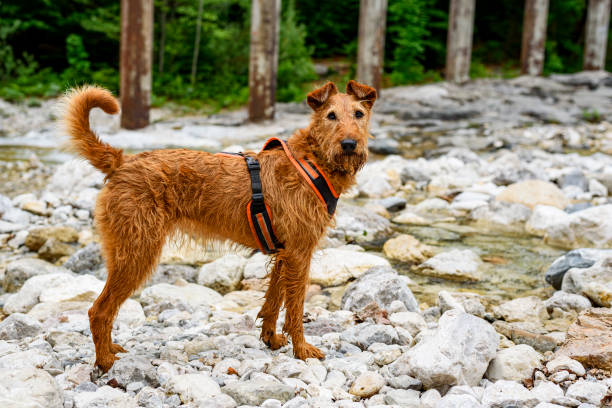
(258, 198)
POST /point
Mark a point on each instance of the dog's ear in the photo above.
(367, 95)
(318, 97)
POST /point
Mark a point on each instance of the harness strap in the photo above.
(313, 175)
(258, 212)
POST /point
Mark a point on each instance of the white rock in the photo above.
(525, 309)
(597, 189)
(403, 398)
(20, 270)
(358, 224)
(29, 387)
(463, 301)
(367, 384)
(53, 287)
(105, 396)
(514, 363)
(335, 266)
(18, 326)
(194, 388)
(190, 294)
(457, 352)
(545, 218)
(224, 274)
(456, 264)
(458, 401)
(546, 391)
(256, 266)
(73, 177)
(411, 321)
(430, 398)
(508, 393)
(534, 192)
(565, 363)
(591, 392)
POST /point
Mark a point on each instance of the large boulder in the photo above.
(381, 285)
(458, 351)
(594, 282)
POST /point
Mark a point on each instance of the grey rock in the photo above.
(255, 392)
(403, 398)
(393, 204)
(457, 352)
(132, 368)
(578, 258)
(355, 223)
(364, 335)
(575, 177)
(17, 326)
(86, 260)
(381, 285)
(384, 146)
(150, 398)
(567, 301)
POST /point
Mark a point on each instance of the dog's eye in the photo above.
(331, 116)
(358, 114)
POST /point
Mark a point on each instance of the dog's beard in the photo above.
(349, 163)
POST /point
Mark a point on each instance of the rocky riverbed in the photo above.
(471, 265)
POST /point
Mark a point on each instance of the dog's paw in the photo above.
(115, 348)
(273, 340)
(106, 362)
(306, 350)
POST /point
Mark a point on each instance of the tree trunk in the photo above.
(459, 40)
(534, 36)
(136, 62)
(596, 41)
(371, 49)
(263, 59)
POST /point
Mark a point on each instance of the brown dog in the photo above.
(150, 195)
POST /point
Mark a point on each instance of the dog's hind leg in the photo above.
(129, 262)
(275, 296)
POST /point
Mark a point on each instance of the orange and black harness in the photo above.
(258, 212)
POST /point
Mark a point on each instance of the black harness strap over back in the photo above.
(258, 212)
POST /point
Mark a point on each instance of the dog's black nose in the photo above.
(348, 145)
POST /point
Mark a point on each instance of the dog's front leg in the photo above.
(295, 275)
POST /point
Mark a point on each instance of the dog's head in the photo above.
(340, 125)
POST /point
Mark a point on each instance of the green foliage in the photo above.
(407, 39)
(592, 116)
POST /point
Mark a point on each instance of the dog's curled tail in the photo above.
(76, 106)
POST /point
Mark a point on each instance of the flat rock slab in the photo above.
(589, 339)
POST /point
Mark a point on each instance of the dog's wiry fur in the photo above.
(150, 195)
